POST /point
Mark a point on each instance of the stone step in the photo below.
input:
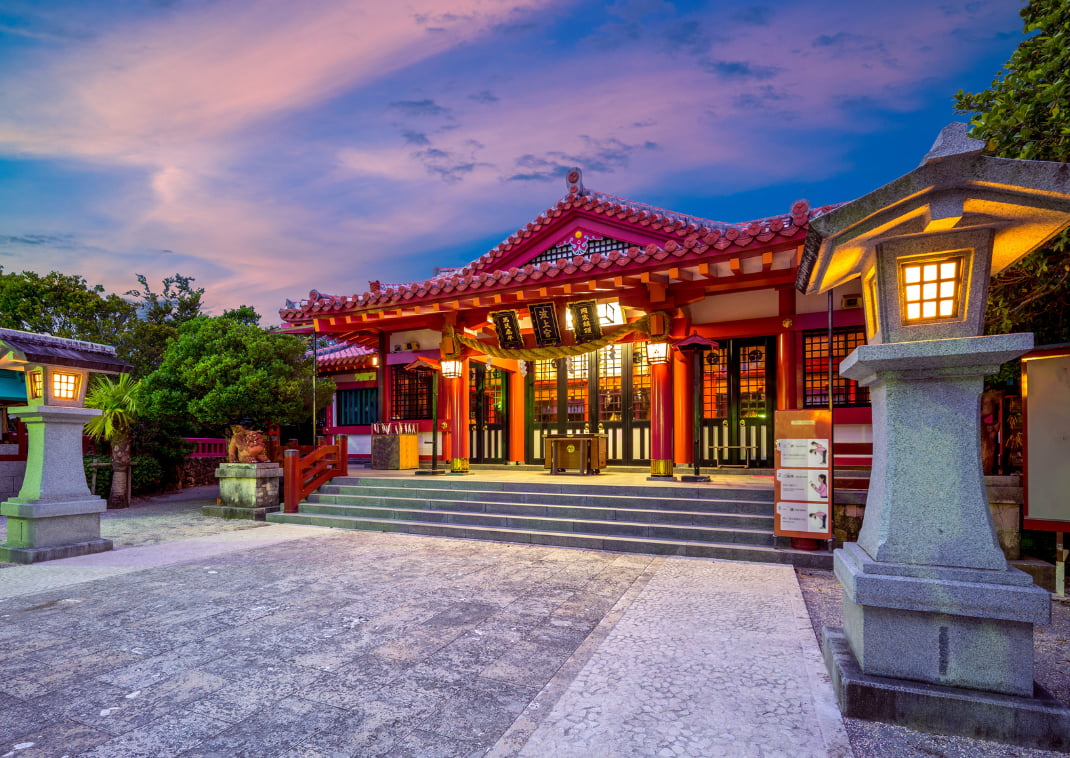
(649, 545)
(616, 510)
(569, 499)
(570, 524)
(466, 484)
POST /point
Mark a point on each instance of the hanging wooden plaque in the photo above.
(507, 325)
(585, 320)
(544, 322)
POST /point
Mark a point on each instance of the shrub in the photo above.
(146, 475)
(103, 474)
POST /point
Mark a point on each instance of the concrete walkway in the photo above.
(296, 641)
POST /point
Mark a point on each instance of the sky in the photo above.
(271, 147)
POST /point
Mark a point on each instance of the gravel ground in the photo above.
(163, 518)
(1051, 661)
(177, 516)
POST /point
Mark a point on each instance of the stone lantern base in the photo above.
(246, 491)
(44, 531)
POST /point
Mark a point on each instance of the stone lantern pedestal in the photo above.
(54, 515)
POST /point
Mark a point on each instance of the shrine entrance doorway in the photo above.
(488, 413)
(738, 395)
(604, 392)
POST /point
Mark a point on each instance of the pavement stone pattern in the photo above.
(708, 660)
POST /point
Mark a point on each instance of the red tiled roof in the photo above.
(342, 356)
(690, 240)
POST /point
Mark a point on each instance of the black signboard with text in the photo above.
(585, 320)
(507, 325)
(544, 323)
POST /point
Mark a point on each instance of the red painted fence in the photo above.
(304, 474)
(207, 447)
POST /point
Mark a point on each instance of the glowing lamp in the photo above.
(36, 384)
(451, 369)
(65, 385)
(657, 352)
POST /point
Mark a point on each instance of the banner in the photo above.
(585, 320)
(544, 322)
(507, 325)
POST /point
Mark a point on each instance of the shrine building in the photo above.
(671, 335)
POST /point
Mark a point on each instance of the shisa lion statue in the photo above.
(246, 446)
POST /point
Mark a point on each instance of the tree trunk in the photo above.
(120, 478)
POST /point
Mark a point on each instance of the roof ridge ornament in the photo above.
(954, 139)
(574, 181)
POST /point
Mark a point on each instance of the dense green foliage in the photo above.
(63, 305)
(159, 316)
(226, 370)
(1026, 114)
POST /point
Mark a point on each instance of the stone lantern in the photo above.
(54, 514)
(938, 630)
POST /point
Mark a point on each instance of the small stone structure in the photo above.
(54, 514)
(246, 491)
(938, 630)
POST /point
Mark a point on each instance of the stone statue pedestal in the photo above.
(246, 491)
(938, 630)
(54, 515)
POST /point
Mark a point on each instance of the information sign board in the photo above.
(803, 487)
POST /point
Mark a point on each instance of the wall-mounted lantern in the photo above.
(451, 369)
(657, 352)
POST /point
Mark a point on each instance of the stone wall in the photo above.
(11, 473)
(196, 472)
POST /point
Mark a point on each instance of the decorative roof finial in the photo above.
(574, 180)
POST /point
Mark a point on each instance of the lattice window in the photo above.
(640, 382)
(545, 392)
(610, 400)
(752, 382)
(715, 383)
(603, 245)
(577, 368)
(493, 399)
(410, 394)
(845, 392)
(357, 407)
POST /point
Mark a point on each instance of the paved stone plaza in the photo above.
(298, 641)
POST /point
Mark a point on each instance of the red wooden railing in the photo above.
(207, 447)
(304, 474)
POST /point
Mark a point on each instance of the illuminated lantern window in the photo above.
(64, 386)
(36, 384)
(451, 369)
(657, 352)
(931, 289)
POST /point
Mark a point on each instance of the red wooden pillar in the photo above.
(683, 397)
(457, 420)
(661, 419)
(516, 417)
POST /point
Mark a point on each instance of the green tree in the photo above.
(118, 399)
(63, 305)
(226, 370)
(159, 316)
(1025, 113)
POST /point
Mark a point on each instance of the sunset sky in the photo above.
(270, 147)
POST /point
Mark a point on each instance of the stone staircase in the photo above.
(697, 521)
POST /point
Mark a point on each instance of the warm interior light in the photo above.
(931, 289)
(451, 369)
(35, 384)
(657, 352)
(64, 386)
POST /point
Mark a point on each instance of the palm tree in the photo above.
(118, 399)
